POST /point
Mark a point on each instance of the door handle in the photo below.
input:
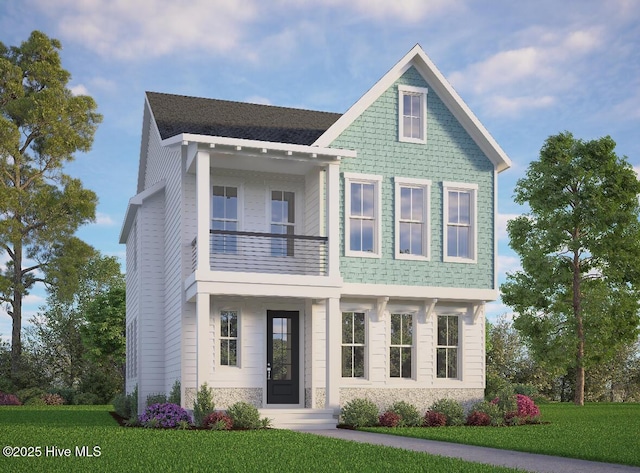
(268, 371)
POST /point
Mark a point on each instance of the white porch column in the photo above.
(203, 208)
(333, 218)
(203, 348)
(334, 352)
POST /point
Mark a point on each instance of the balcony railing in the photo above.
(265, 253)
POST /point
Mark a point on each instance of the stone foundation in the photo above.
(223, 398)
(421, 398)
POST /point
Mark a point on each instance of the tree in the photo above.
(64, 336)
(579, 245)
(42, 125)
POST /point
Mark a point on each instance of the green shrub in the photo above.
(156, 398)
(203, 406)
(133, 403)
(490, 409)
(495, 384)
(451, 409)
(66, 393)
(174, 395)
(409, 415)
(244, 416)
(506, 400)
(28, 393)
(35, 401)
(525, 389)
(360, 413)
(86, 399)
(122, 405)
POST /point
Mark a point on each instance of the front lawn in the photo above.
(599, 432)
(49, 433)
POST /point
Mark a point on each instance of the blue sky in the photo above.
(528, 69)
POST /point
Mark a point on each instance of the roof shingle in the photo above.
(176, 114)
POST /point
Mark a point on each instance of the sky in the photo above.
(528, 69)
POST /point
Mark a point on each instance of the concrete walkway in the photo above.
(491, 456)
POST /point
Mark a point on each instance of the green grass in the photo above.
(141, 450)
(600, 432)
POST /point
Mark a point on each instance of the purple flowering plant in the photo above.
(9, 400)
(164, 415)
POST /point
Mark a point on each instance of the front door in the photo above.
(283, 357)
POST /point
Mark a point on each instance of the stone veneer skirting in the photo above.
(421, 398)
(224, 398)
(320, 398)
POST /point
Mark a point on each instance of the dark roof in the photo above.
(176, 114)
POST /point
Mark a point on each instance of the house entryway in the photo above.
(283, 357)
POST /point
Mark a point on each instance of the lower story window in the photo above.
(401, 347)
(353, 344)
(447, 349)
(229, 338)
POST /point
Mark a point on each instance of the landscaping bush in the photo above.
(490, 409)
(203, 405)
(164, 415)
(409, 415)
(360, 413)
(528, 412)
(86, 399)
(526, 389)
(9, 400)
(506, 400)
(389, 419)
(452, 410)
(174, 395)
(51, 399)
(477, 418)
(66, 393)
(434, 419)
(217, 420)
(35, 401)
(26, 394)
(244, 416)
(122, 405)
(157, 398)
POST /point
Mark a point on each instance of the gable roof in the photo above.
(179, 114)
(418, 59)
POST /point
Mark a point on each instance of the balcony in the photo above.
(252, 252)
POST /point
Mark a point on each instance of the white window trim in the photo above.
(219, 338)
(365, 377)
(414, 323)
(426, 237)
(377, 211)
(473, 234)
(458, 378)
(407, 89)
(224, 181)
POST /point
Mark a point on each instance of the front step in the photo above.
(301, 419)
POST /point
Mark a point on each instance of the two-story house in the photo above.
(300, 259)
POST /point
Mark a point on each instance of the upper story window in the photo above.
(362, 215)
(460, 225)
(353, 344)
(412, 218)
(225, 217)
(412, 115)
(283, 222)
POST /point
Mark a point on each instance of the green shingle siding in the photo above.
(449, 155)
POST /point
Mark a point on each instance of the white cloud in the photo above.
(104, 219)
(498, 309)
(508, 264)
(151, 28)
(258, 99)
(529, 77)
(79, 90)
(407, 11)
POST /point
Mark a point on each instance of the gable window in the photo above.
(282, 222)
(460, 222)
(412, 116)
(401, 346)
(412, 218)
(353, 344)
(448, 347)
(229, 338)
(362, 215)
(225, 218)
